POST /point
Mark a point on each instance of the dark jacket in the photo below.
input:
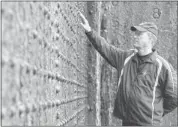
(146, 92)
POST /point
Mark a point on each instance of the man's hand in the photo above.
(84, 23)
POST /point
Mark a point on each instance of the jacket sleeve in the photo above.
(170, 91)
(114, 56)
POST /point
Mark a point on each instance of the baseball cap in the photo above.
(146, 26)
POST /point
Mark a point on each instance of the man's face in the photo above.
(142, 40)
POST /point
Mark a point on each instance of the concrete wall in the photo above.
(163, 14)
(120, 16)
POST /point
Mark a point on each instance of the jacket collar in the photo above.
(151, 59)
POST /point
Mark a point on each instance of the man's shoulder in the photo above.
(164, 62)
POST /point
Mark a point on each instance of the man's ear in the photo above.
(153, 43)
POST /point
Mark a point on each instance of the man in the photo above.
(146, 90)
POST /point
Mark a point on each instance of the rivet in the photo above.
(57, 37)
(34, 71)
(57, 89)
(52, 22)
(53, 104)
(56, 12)
(57, 116)
(48, 17)
(45, 11)
(21, 109)
(12, 111)
(27, 70)
(12, 65)
(28, 108)
(58, 31)
(34, 33)
(34, 108)
(58, 5)
(57, 24)
(48, 104)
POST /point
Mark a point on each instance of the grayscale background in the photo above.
(50, 71)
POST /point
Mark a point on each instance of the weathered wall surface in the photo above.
(163, 14)
(49, 68)
(120, 17)
(44, 64)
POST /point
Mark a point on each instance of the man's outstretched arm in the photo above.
(113, 55)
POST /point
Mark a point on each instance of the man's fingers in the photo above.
(82, 25)
(82, 17)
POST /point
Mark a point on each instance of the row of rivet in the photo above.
(66, 18)
(51, 75)
(32, 107)
(56, 50)
(35, 35)
(58, 31)
(65, 121)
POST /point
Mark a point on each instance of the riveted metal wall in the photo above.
(44, 64)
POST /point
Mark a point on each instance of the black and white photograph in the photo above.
(89, 63)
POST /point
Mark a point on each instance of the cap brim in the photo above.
(134, 28)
